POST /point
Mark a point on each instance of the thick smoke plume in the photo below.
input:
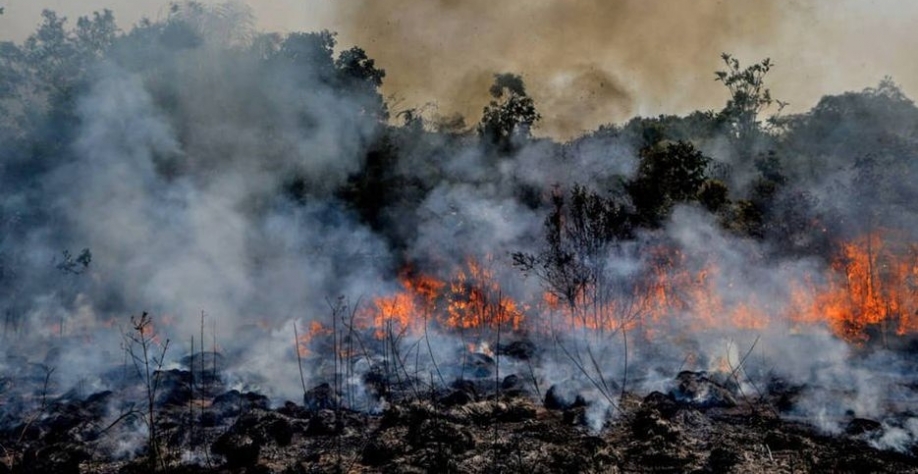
(595, 62)
(188, 202)
(602, 59)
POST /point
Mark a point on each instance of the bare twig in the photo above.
(625, 368)
(299, 358)
(148, 363)
(586, 373)
(734, 375)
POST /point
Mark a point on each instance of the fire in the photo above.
(475, 300)
(874, 283)
(304, 340)
(668, 292)
(408, 309)
(871, 285)
(470, 300)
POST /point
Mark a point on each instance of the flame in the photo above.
(668, 293)
(871, 284)
(304, 340)
(476, 300)
(471, 299)
(408, 309)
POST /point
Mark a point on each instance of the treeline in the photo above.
(203, 102)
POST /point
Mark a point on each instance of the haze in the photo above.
(588, 62)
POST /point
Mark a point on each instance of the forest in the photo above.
(197, 170)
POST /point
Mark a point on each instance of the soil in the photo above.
(462, 430)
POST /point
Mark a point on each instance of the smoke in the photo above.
(596, 61)
(20, 16)
(211, 168)
(600, 62)
(587, 63)
(177, 178)
(208, 240)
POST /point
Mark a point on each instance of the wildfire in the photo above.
(471, 299)
(475, 300)
(314, 330)
(871, 285)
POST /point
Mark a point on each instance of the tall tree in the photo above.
(509, 115)
(667, 174)
(360, 76)
(748, 95)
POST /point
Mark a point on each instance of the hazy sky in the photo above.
(586, 62)
(21, 16)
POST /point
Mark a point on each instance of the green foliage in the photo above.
(311, 54)
(842, 129)
(60, 57)
(50, 50)
(646, 132)
(748, 95)
(354, 64)
(40, 81)
(376, 184)
(754, 215)
(667, 174)
(714, 195)
(12, 70)
(95, 36)
(510, 114)
(747, 219)
(360, 75)
(795, 219)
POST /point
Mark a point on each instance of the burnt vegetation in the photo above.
(255, 166)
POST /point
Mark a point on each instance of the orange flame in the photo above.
(475, 300)
(305, 339)
(871, 285)
(874, 283)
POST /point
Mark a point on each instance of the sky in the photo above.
(587, 62)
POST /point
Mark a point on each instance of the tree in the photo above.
(667, 174)
(748, 95)
(650, 131)
(357, 66)
(148, 356)
(842, 129)
(578, 232)
(714, 195)
(94, 36)
(359, 75)
(310, 54)
(509, 115)
(49, 51)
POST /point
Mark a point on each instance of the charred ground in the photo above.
(700, 423)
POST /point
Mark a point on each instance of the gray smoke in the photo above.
(208, 167)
